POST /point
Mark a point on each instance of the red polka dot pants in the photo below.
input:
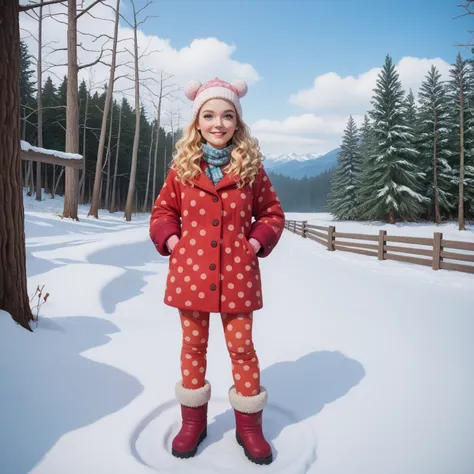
(238, 337)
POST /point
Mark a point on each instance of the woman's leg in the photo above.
(245, 366)
(193, 391)
(195, 326)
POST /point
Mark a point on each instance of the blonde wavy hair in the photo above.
(245, 160)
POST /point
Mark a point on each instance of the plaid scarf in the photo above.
(216, 159)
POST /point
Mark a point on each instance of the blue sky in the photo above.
(309, 63)
(290, 43)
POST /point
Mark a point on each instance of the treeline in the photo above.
(118, 142)
(410, 161)
(302, 195)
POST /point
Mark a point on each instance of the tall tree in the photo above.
(345, 183)
(94, 209)
(71, 194)
(366, 150)
(433, 133)
(391, 180)
(133, 167)
(13, 286)
(39, 72)
(462, 117)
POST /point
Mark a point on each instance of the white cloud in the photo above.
(335, 98)
(350, 94)
(307, 133)
(202, 59)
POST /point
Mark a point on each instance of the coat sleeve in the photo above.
(269, 216)
(165, 218)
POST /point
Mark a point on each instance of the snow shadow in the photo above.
(39, 226)
(300, 389)
(38, 265)
(131, 282)
(49, 389)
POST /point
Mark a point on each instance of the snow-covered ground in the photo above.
(369, 365)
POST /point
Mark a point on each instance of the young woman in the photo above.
(202, 220)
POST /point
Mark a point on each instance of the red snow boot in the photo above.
(194, 420)
(248, 419)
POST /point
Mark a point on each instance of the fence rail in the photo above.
(430, 252)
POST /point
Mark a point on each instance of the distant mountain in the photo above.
(299, 166)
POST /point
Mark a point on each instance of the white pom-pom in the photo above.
(191, 88)
(240, 86)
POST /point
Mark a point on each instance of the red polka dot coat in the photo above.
(213, 267)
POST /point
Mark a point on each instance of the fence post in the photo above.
(303, 230)
(331, 232)
(438, 236)
(382, 234)
(294, 227)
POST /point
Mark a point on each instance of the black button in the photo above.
(215, 198)
(214, 244)
(215, 222)
(212, 266)
(213, 287)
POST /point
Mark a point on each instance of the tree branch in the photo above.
(24, 8)
(88, 8)
(102, 19)
(98, 60)
(146, 18)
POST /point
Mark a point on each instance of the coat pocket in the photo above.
(250, 252)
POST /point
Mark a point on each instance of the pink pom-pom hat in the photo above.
(215, 89)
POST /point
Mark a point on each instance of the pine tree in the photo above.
(410, 112)
(366, 147)
(391, 179)
(345, 183)
(433, 144)
(462, 136)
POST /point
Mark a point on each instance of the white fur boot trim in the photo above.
(193, 397)
(251, 404)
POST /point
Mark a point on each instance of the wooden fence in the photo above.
(430, 252)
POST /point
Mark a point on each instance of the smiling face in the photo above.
(217, 122)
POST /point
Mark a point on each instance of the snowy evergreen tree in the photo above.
(342, 201)
(366, 150)
(462, 138)
(433, 144)
(391, 179)
(411, 112)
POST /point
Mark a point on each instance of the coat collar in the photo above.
(204, 183)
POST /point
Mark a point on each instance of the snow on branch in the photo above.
(25, 146)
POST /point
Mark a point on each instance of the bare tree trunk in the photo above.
(108, 159)
(461, 160)
(158, 124)
(32, 179)
(133, 170)
(45, 178)
(53, 187)
(435, 173)
(94, 209)
(58, 180)
(71, 193)
(113, 199)
(13, 284)
(39, 99)
(145, 202)
(82, 183)
(164, 165)
(27, 177)
(391, 216)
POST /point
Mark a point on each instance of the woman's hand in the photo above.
(171, 242)
(255, 245)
